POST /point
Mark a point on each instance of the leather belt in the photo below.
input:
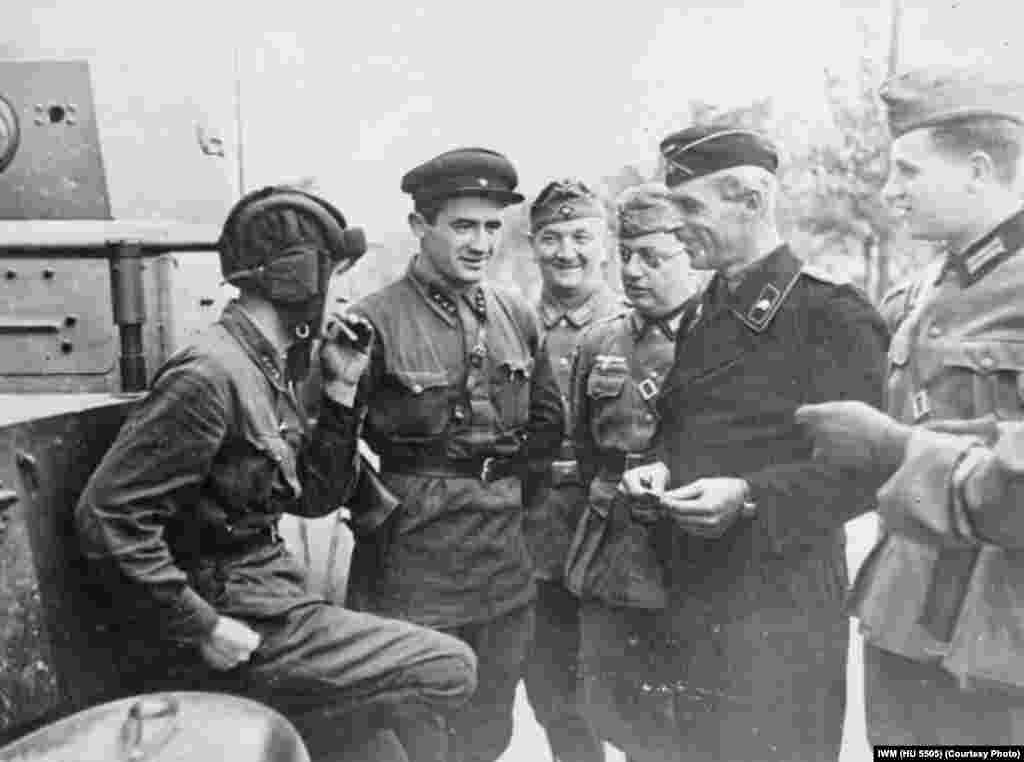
(564, 472)
(487, 468)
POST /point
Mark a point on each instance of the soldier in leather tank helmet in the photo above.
(180, 519)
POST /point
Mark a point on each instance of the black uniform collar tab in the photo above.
(764, 288)
(985, 254)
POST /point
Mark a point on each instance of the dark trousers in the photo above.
(910, 702)
(482, 729)
(620, 665)
(338, 673)
(357, 686)
(551, 676)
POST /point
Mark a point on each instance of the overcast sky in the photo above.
(356, 93)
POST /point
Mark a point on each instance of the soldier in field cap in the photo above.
(461, 405)
(570, 237)
(753, 632)
(938, 598)
(614, 565)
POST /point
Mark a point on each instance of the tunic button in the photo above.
(417, 389)
(934, 332)
(987, 362)
(648, 417)
(564, 362)
(459, 414)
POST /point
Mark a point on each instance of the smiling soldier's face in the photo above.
(570, 254)
(462, 238)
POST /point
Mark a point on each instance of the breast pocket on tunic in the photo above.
(510, 388)
(606, 381)
(413, 404)
(974, 379)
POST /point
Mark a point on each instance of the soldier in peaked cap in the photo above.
(935, 598)
(570, 238)
(756, 567)
(614, 564)
(461, 404)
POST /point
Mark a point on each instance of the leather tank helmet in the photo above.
(286, 244)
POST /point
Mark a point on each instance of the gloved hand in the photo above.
(344, 355)
(853, 435)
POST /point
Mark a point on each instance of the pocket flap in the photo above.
(606, 382)
(980, 357)
(418, 381)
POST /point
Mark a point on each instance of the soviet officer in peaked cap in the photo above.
(570, 237)
(757, 569)
(937, 597)
(614, 562)
(461, 404)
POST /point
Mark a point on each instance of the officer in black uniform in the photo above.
(758, 571)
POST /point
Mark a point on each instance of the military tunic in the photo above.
(451, 383)
(459, 383)
(550, 676)
(180, 523)
(756, 638)
(620, 369)
(933, 598)
(553, 515)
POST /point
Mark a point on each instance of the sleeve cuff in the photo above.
(918, 493)
(193, 617)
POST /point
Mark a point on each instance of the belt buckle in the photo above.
(648, 388)
(564, 471)
(487, 468)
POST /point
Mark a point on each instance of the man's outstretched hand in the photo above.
(853, 435)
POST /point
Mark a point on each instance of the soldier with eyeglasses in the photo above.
(613, 562)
